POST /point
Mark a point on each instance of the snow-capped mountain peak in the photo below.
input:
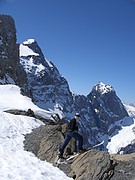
(103, 88)
(29, 41)
(32, 58)
(26, 51)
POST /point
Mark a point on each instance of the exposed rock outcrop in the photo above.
(8, 49)
(130, 148)
(10, 70)
(45, 141)
(91, 165)
(31, 114)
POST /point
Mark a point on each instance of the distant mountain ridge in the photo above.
(40, 79)
(132, 104)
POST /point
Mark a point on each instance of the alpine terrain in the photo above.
(30, 83)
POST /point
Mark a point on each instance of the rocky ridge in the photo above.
(91, 165)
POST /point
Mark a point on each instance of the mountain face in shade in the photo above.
(107, 105)
(10, 70)
(48, 89)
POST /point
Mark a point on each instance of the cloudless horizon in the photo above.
(88, 41)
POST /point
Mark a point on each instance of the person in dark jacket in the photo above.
(72, 132)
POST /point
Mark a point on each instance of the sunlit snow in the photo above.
(29, 65)
(15, 163)
(124, 136)
(26, 51)
(29, 41)
(103, 88)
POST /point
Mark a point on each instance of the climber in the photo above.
(72, 132)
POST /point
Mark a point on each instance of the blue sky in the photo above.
(88, 40)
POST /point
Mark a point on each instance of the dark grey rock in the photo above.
(125, 168)
(10, 70)
(91, 165)
(107, 105)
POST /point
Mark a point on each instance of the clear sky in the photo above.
(88, 40)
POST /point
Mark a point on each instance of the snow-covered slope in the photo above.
(125, 135)
(10, 98)
(15, 163)
(130, 110)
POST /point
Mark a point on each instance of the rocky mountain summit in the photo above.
(107, 105)
(45, 85)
